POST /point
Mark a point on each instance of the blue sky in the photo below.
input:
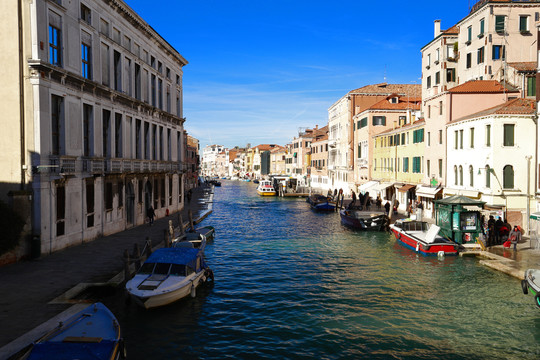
(260, 70)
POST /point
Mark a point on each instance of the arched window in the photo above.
(455, 175)
(460, 175)
(471, 176)
(508, 177)
(488, 176)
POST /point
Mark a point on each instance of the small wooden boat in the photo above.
(363, 220)
(531, 284)
(320, 202)
(170, 274)
(266, 188)
(92, 333)
(423, 238)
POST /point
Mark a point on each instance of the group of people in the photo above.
(498, 232)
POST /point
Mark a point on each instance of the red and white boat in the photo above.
(423, 238)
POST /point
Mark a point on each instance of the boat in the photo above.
(363, 220)
(320, 202)
(207, 232)
(93, 333)
(266, 188)
(531, 283)
(170, 274)
(423, 238)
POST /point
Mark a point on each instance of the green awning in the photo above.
(535, 216)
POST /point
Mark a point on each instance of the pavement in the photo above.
(36, 293)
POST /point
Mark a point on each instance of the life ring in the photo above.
(524, 287)
(537, 298)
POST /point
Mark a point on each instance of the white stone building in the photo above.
(97, 123)
(209, 159)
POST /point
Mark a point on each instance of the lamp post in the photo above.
(529, 157)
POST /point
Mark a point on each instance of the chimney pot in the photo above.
(437, 27)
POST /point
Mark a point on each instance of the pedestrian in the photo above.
(515, 237)
(150, 213)
(378, 202)
(387, 207)
(189, 196)
(367, 200)
(353, 202)
(409, 209)
(419, 211)
(491, 230)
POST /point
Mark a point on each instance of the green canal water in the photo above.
(294, 284)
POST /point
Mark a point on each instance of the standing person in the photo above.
(150, 213)
(387, 207)
(419, 211)
(515, 236)
(367, 200)
(378, 202)
(409, 209)
(189, 196)
(491, 230)
(353, 202)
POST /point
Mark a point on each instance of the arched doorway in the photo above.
(130, 204)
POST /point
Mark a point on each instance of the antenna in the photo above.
(384, 73)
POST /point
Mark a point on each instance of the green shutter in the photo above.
(508, 135)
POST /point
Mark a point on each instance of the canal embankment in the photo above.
(39, 293)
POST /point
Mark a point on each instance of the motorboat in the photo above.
(170, 274)
(531, 283)
(195, 234)
(93, 333)
(266, 188)
(320, 202)
(423, 238)
(363, 220)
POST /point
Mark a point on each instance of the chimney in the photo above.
(437, 27)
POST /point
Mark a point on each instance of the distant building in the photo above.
(209, 158)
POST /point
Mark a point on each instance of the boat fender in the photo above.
(537, 299)
(440, 254)
(193, 290)
(524, 287)
(417, 246)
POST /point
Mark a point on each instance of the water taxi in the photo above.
(266, 188)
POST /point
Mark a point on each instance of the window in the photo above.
(127, 43)
(480, 55)
(508, 177)
(437, 56)
(499, 23)
(117, 71)
(440, 107)
(90, 201)
(469, 35)
(461, 139)
(450, 75)
(488, 176)
(168, 99)
(170, 190)
(104, 27)
(152, 62)
(86, 14)
(120, 189)
(460, 175)
(160, 94)
(524, 24)
(440, 137)
(138, 82)
(498, 52)
(428, 61)
(105, 65)
(127, 77)
(508, 134)
(116, 36)
(106, 133)
(160, 67)
(379, 120)
(55, 49)
(418, 136)
(482, 26)
(437, 78)
(469, 60)
(488, 135)
(456, 134)
(428, 167)
(118, 135)
(88, 126)
(471, 176)
(417, 165)
(138, 139)
(440, 168)
(153, 89)
(429, 138)
(57, 125)
(455, 175)
(405, 164)
(472, 137)
(60, 210)
(429, 111)
(428, 82)
(86, 59)
(108, 196)
(531, 86)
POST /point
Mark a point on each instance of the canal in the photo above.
(294, 284)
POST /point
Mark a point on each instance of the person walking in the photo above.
(151, 214)
(387, 207)
(515, 237)
(353, 201)
(378, 202)
(419, 211)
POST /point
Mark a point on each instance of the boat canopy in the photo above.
(178, 256)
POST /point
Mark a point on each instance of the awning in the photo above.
(382, 186)
(427, 191)
(406, 187)
(535, 216)
(368, 185)
(469, 193)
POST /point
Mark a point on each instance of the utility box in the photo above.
(457, 222)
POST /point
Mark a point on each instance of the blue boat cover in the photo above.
(178, 256)
(69, 351)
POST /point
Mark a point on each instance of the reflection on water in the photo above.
(291, 283)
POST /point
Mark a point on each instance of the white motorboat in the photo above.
(266, 188)
(170, 274)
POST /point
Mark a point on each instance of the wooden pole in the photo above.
(127, 271)
(182, 229)
(148, 247)
(191, 226)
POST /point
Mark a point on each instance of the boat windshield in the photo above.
(178, 270)
(147, 268)
(162, 269)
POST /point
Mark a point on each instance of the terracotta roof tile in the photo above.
(480, 86)
(517, 106)
(387, 89)
(454, 30)
(404, 103)
(524, 66)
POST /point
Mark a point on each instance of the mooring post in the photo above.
(171, 229)
(182, 230)
(148, 247)
(127, 271)
(166, 238)
(137, 256)
(191, 226)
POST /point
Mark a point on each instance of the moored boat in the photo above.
(320, 202)
(363, 220)
(170, 274)
(266, 188)
(531, 283)
(423, 238)
(93, 333)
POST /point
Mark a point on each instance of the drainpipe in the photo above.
(21, 96)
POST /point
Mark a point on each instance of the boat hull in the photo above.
(421, 247)
(367, 223)
(531, 284)
(266, 193)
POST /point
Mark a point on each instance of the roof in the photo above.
(459, 200)
(264, 147)
(517, 106)
(404, 103)
(454, 30)
(388, 89)
(525, 66)
(481, 86)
